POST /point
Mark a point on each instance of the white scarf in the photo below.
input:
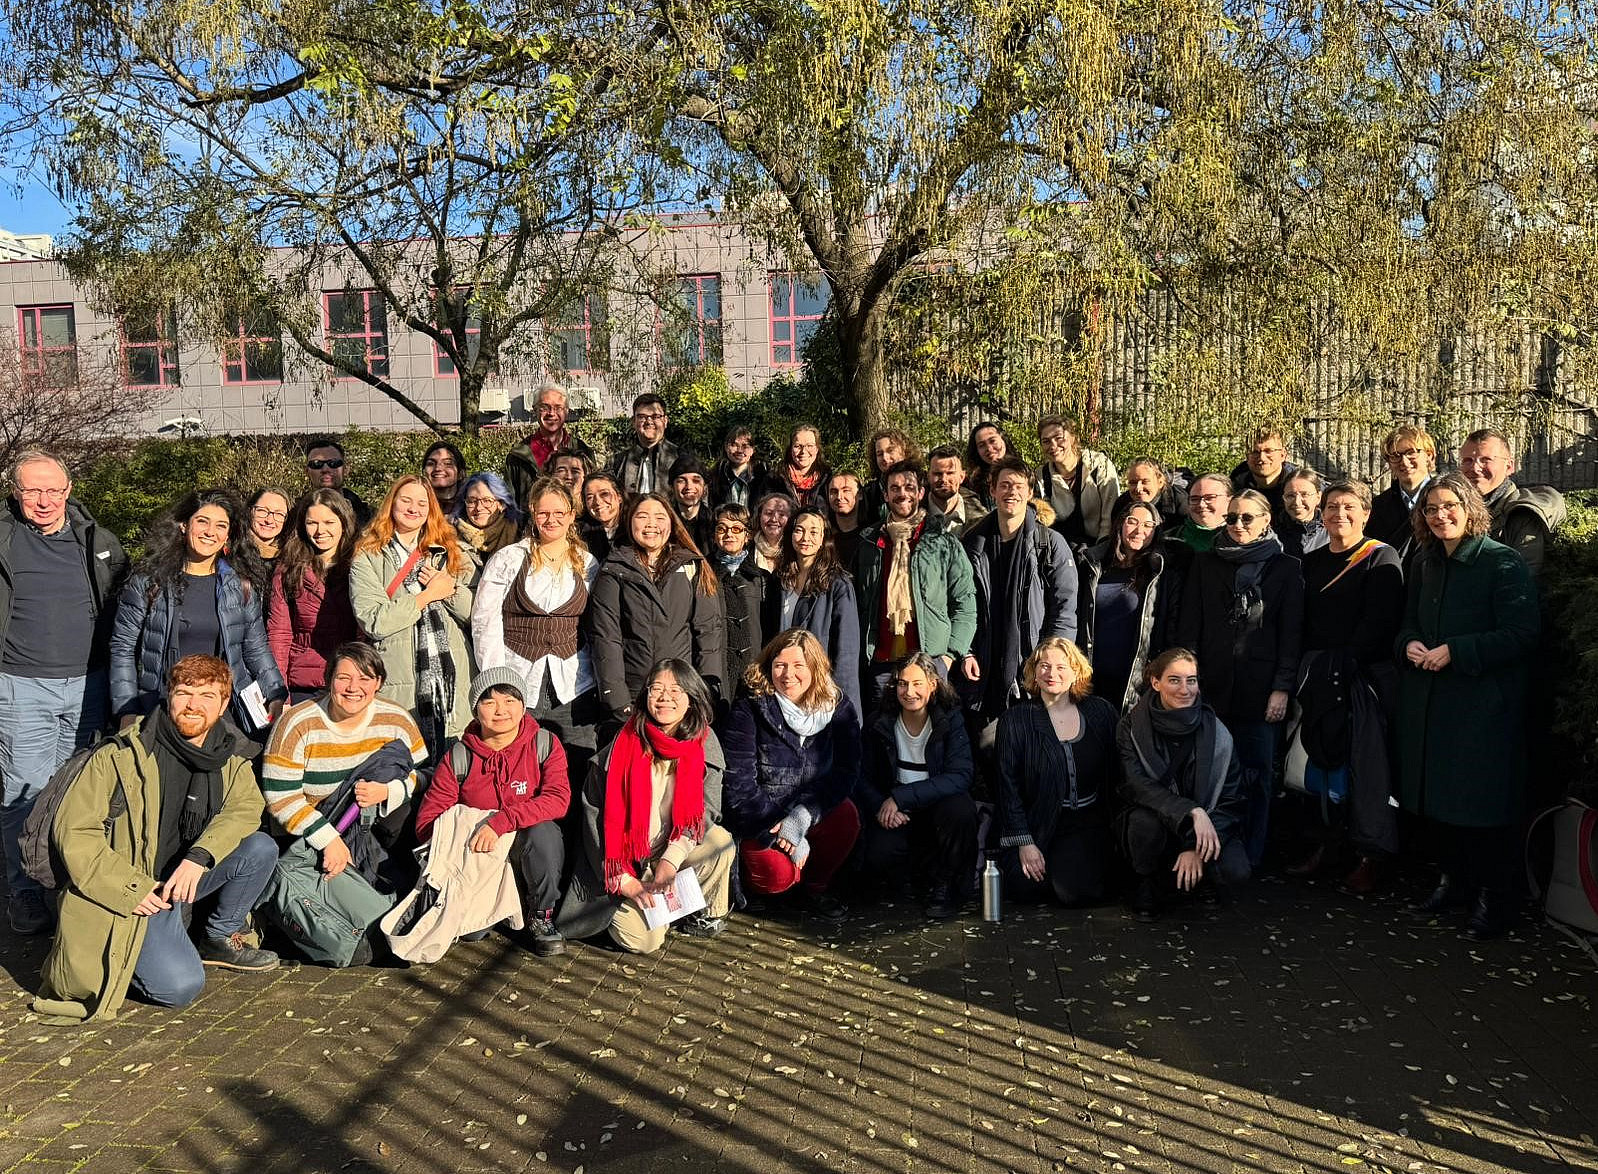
(807, 723)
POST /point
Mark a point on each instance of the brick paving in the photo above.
(1295, 1031)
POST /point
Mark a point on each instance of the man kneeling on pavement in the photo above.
(163, 815)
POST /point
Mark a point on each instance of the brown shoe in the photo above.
(1311, 864)
(1367, 877)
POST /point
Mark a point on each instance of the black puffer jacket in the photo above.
(633, 622)
(949, 766)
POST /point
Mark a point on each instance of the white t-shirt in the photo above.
(912, 752)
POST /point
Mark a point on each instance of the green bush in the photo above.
(1570, 650)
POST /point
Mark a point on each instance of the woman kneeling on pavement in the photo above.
(650, 810)
(793, 757)
(915, 788)
(1057, 771)
(158, 818)
(1183, 787)
(505, 774)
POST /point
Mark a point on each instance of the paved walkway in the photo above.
(1295, 1031)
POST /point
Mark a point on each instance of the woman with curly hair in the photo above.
(185, 597)
(310, 614)
(815, 593)
(528, 617)
(411, 587)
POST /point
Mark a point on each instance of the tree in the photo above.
(73, 407)
(470, 163)
(1299, 177)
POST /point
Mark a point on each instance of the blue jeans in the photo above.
(43, 721)
(1255, 745)
(169, 972)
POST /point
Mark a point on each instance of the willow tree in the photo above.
(1295, 173)
(468, 162)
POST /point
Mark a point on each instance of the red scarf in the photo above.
(630, 794)
(806, 483)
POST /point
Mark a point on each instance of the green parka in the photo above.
(87, 972)
(942, 589)
(1461, 731)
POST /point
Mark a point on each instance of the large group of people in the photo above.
(802, 684)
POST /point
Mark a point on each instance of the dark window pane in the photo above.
(144, 366)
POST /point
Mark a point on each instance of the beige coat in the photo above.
(475, 889)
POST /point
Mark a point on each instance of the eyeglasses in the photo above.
(1208, 498)
(329, 463)
(666, 693)
(730, 531)
(1269, 452)
(1244, 519)
(1406, 455)
(274, 515)
(1443, 507)
(649, 417)
(44, 494)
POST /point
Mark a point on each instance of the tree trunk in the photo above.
(865, 367)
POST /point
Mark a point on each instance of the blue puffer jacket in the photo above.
(144, 645)
(771, 770)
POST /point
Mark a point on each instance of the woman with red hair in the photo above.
(411, 587)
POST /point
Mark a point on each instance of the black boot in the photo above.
(1491, 915)
(1146, 899)
(1447, 895)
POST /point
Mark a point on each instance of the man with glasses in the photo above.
(1266, 468)
(1411, 456)
(645, 467)
(59, 577)
(532, 458)
(325, 468)
(1080, 483)
(1523, 515)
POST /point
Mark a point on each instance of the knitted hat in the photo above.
(488, 678)
(688, 463)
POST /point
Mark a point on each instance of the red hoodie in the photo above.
(508, 782)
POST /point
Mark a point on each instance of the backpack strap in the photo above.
(460, 759)
(544, 743)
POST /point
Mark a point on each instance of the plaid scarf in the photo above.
(435, 667)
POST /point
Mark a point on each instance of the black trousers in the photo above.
(1077, 862)
(537, 858)
(1483, 858)
(938, 845)
(1152, 849)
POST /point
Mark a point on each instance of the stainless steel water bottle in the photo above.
(992, 896)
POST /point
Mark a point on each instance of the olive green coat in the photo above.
(90, 965)
(1461, 731)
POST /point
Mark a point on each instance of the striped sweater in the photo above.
(308, 759)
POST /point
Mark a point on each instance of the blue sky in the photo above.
(28, 207)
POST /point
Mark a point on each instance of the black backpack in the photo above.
(40, 860)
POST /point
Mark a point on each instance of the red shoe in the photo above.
(1311, 864)
(1368, 876)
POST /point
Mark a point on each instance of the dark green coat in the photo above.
(1461, 731)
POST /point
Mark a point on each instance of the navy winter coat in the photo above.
(949, 766)
(144, 645)
(833, 617)
(771, 771)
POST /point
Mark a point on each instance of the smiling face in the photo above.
(790, 675)
(206, 532)
(651, 527)
(808, 533)
(1445, 514)
(481, 506)
(324, 530)
(194, 709)
(42, 490)
(351, 692)
(689, 490)
(498, 712)
(774, 517)
(1144, 482)
(602, 503)
(1060, 446)
(1178, 686)
(409, 511)
(551, 410)
(904, 495)
(1486, 463)
(1409, 463)
(887, 452)
(914, 688)
(1053, 674)
(552, 518)
(1300, 499)
(1011, 491)
(569, 470)
(1206, 502)
(649, 424)
(990, 445)
(666, 701)
(267, 516)
(441, 471)
(1137, 530)
(731, 535)
(843, 495)
(740, 450)
(1246, 521)
(1344, 517)
(1266, 458)
(803, 450)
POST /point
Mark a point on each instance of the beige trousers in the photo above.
(712, 863)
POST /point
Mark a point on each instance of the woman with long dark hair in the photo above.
(1121, 604)
(185, 597)
(411, 587)
(804, 473)
(655, 598)
(988, 445)
(444, 468)
(260, 542)
(816, 593)
(310, 612)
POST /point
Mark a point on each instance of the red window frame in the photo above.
(251, 339)
(591, 328)
(36, 355)
(785, 318)
(372, 337)
(698, 342)
(162, 341)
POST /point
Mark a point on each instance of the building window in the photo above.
(443, 365)
(797, 305)
(255, 353)
(150, 349)
(49, 339)
(579, 338)
(693, 337)
(356, 329)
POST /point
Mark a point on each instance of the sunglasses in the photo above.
(330, 463)
(1244, 519)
